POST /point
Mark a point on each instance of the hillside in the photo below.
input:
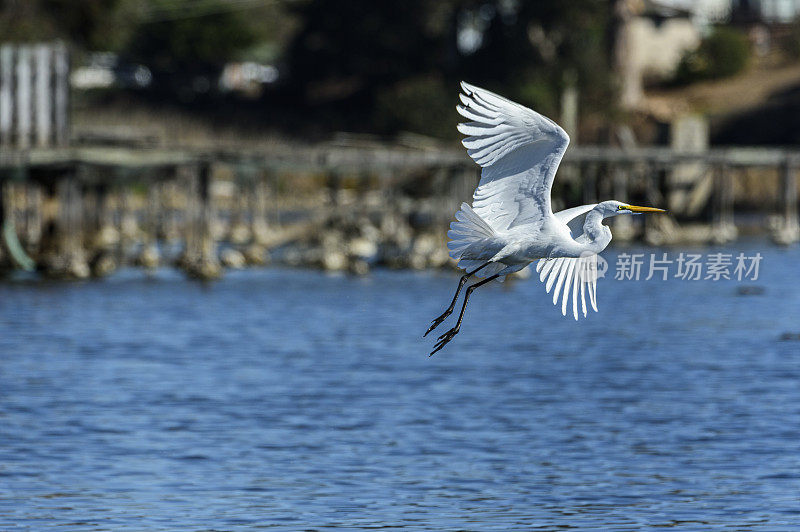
(759, 106)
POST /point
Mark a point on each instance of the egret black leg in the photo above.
(438, 321)
(446, 337)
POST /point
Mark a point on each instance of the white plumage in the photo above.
(519, 151)
(510, 222)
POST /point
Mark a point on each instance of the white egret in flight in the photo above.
(511, 223)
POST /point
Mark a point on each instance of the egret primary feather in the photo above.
(510, 222)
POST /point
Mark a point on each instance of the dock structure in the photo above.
(72, 210)
(73, 207)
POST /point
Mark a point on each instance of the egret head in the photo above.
(614, 208)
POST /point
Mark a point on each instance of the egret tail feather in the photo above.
(473, 242)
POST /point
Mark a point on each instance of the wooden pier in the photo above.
(82, 210)
(74, 210)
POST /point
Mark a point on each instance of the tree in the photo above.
(529, 48)
(174, 41)
(368, 62)
(359, 46)
(186, 46)
(88, 24)
(722, 54)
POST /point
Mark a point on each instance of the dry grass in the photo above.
(745, 91)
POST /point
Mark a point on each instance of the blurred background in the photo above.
(304, 155)
(322, 133)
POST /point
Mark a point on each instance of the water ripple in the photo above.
(294, 400)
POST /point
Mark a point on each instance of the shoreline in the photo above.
(743, 243)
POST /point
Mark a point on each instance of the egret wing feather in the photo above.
(582, 271)
(576, 279)
(567, 285)
(571, 274)
(519, 151)
(583, 297)
(562, 272)
(543, 268)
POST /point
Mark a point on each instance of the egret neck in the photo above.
(597, 234)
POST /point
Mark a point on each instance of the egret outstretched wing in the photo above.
(519, 150)
(568, 274)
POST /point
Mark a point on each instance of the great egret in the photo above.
(510, 223)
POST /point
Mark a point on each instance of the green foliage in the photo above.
(791, 43)
(374, 44)
(540, 95)
(725, 53)
(367, 56)
(192, 43)
(95, 24)
(347, 64)
(420, 105)
(89, 24)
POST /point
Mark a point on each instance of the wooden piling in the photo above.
(104, 227)
(789, 186)
(788, 231)
(200, 260)
(169, 229)
(33, 216)
(256, 252)
(652, 234)
(689, 134)
(259, 226)
(5, 265)
(723, 228)
(71, 222)
(444, 204)
(334, 189)
(103, 238)
(239, 228)
(63, 254)
(149, 256)
(153, 212)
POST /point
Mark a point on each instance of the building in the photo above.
(655, 37)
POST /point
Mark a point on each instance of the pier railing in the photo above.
(369, 198)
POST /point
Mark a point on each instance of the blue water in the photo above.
(297, 400)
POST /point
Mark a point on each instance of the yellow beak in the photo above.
(635, 208)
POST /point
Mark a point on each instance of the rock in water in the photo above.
(256, 255)
(233, 258)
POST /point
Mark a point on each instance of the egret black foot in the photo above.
(444, 339)
(438, 321)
